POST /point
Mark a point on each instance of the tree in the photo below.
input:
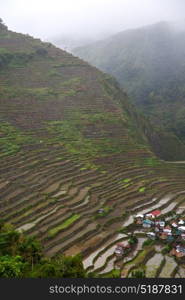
(30, 249)
(41, 51)
(8, 242)
(61, 267)
(22, 256)
(133, 239)
(138, 274)
(45, 269)
(11, 267)
(73, 267)
(2, 25)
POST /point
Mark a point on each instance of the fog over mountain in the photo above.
(83, 21)
(149, 64)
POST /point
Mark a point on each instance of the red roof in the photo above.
(156, 213)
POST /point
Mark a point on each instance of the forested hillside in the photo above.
(149, 64)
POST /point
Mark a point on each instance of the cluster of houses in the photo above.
(171, 231)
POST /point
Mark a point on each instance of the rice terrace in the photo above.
(82, 171)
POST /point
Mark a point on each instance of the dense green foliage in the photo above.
(22, 256)
(133, 240)
(138, 274)
(2, 25)
(148, 243)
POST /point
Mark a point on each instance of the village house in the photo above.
(174, 224)
(151, 235)
(139, 219)
(177, 232)
(181, 222)
(147, 223)
(152, 215)
(181, 228)
(160, 224)
(156, 213)
(149, 216)
(139, 216)
(157, 229)
(167, 229)
(183, 236)
(163, 236)
(122, 248)
(101, 210)
(170, 237)
(178, 251)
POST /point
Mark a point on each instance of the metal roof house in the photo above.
(151, 235)
(139, 216)
(178, 251)
(156, 213)
(147, 223)
(174, 224)
(121, 248)
(181, 222)
(160, 223)
(182, 228)
(167, 229)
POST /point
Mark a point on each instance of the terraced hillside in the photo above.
(71, 144)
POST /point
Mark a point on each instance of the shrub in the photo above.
(11, 267)
(138, 274)
(142, 189)
(22, 256)
(148, 243)
(133, 240)
(166, 249)
(41, 51)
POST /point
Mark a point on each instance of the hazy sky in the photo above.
(85, 18)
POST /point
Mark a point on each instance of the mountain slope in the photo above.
(43, 87)
(149, 63)
(71, 144)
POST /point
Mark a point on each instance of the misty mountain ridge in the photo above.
(69, 42)
(149, 64)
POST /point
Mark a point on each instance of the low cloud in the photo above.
(86, 18)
